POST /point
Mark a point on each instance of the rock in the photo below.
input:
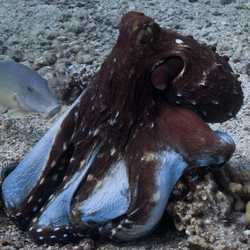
(17, 56)
(86, 244)
(84, 58)
(50, 35)
(199, 208)
(235, 185)
(247, 68)
(227, 1)
(14, 39)
(29, 56)
(48, 58)
(81, 13)
(60, 67)
(76, 27)
(3, 49)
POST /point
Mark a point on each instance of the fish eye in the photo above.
(29, 88)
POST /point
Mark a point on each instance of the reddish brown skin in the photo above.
(132, 103)
(219, 99)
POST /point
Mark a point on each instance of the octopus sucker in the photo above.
(109, 164)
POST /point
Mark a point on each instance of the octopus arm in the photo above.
(131, 198)
(148, 197)
(160, 158)
(63, 218)
(190, 136)
(22, 188)
(52, 223)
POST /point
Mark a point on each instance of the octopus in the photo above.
(110, 162)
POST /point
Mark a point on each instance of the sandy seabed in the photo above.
(52, 35)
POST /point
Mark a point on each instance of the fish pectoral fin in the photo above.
(16, 113)
(14, 97)
(3, 110)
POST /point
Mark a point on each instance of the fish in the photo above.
(23, 90)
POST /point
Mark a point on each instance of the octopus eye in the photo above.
(143, 32)
(144, 26)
